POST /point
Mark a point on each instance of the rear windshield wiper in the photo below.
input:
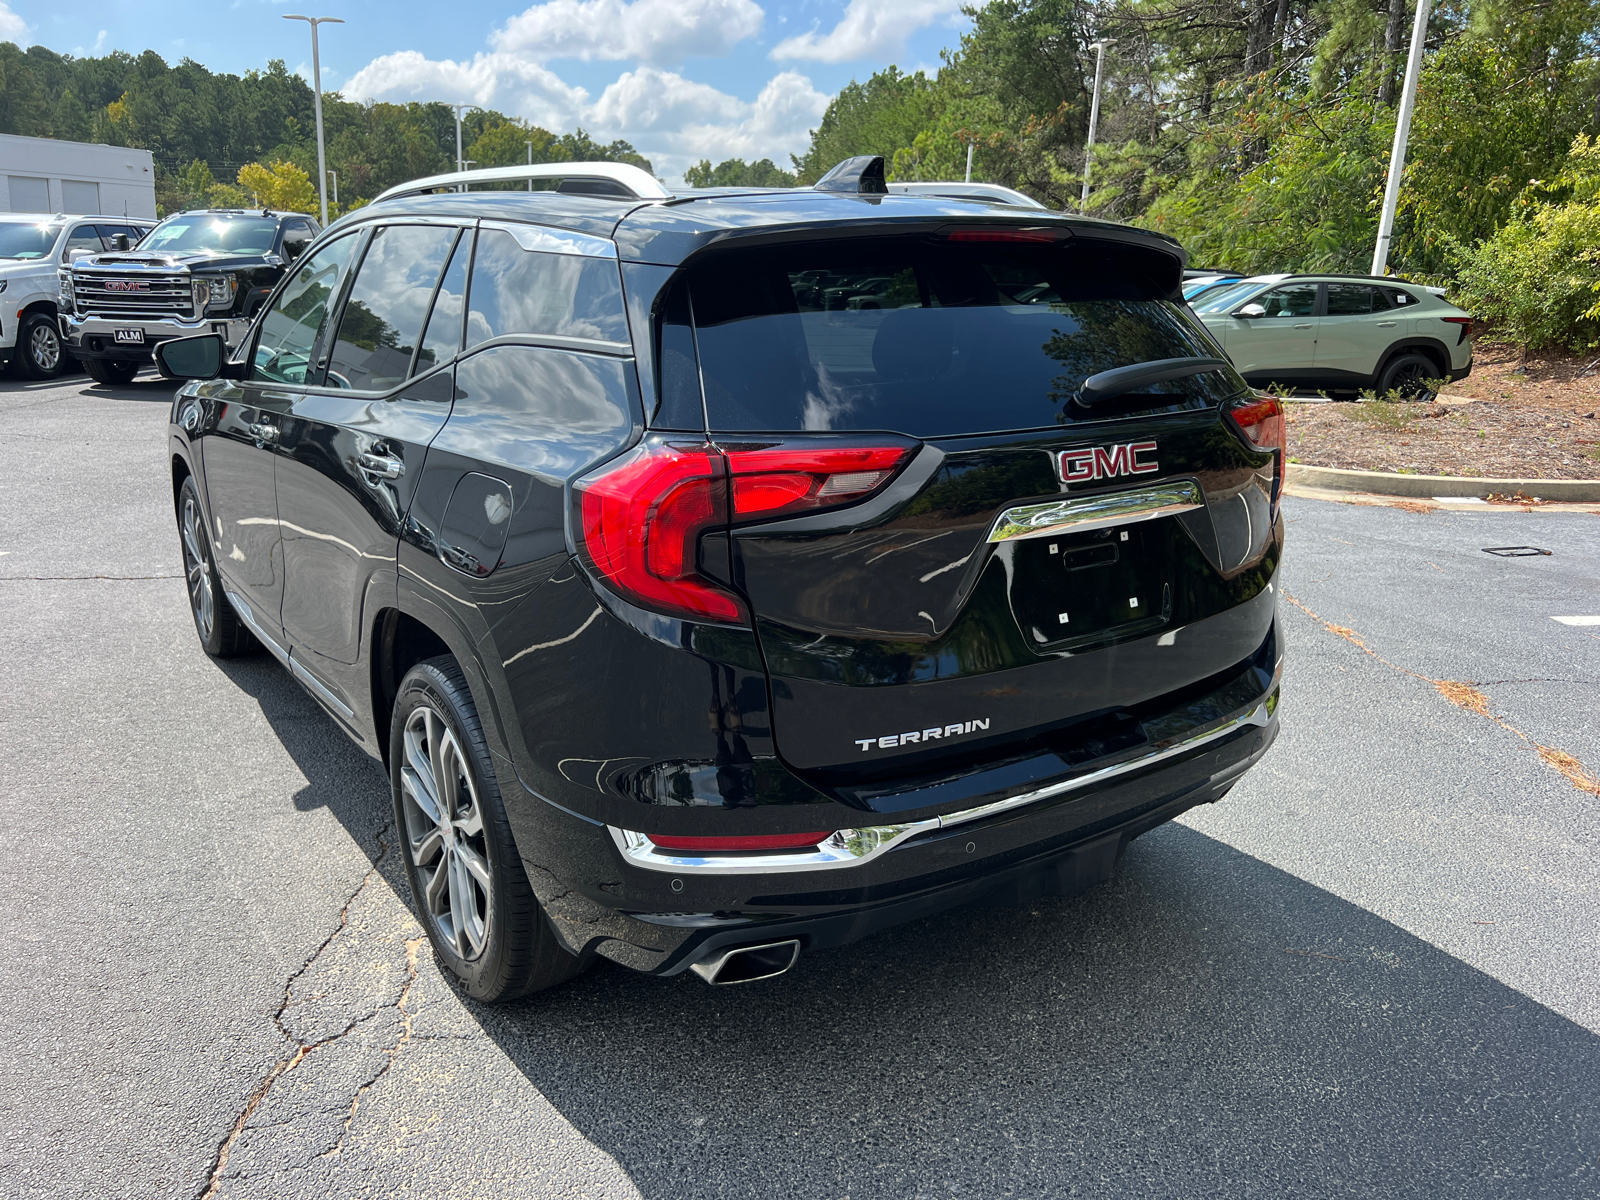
(1119, 381)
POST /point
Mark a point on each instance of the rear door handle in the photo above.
(383, 466)
(1302, 327)
(1387, 324)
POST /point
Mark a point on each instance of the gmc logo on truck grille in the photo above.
(127, 285)
(1105, 462)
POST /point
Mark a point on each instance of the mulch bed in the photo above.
(1533, 419)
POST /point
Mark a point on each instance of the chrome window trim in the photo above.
(1080, 514)
(851, 847)
(546, 239)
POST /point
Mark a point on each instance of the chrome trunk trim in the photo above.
(850, 847)
(1079, 514)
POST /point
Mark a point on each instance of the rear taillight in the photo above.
(643, 514)
(1005, 235)
(1466, 327)
(1261, 420)
(714, 845)
(777, 480)
(642, 519)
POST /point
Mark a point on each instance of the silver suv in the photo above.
(1339, 332)
(33, 247)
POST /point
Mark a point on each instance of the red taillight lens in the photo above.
(642, 521)
(713, 845)
(1261, 420)
(1466, 327)
(770, 481)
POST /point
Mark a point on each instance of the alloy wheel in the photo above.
(197, 569)
(1409, 381)
(44, 347)
(444, 826)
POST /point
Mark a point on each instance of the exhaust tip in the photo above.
(748, 964)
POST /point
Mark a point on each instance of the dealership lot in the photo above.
(1372, 970)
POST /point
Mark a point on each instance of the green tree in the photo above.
(735, 172)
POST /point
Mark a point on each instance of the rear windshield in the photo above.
(931, 337)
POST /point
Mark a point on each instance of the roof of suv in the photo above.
(669, 231)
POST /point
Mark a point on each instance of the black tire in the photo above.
(1404, 373)
(470, 892)
(40, 352)
(113, 372)
(222, 634)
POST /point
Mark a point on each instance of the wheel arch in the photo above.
(1432, 347)
(399, 641)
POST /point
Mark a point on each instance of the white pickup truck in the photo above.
(33, 248)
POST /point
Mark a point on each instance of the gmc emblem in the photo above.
(127, 285)
(1105, 462)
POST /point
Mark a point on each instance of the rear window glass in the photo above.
(530, 291)
(929, 337)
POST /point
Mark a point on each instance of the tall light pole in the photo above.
(1402, 131)
(1094, 112)
(529, 145)
(969, 161)
(335, 175)
(316, 95)
(460, 162)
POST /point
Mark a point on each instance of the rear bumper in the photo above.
(620, 897)
(95, 337)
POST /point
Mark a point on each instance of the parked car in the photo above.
(1195, 286)
(32, 250)
(195, 272)
(1339, 332)
(699, 619)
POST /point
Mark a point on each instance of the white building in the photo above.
(42, 175)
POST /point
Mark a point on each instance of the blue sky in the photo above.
(681, 79)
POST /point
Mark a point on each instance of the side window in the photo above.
(1354, 300)
(532, 291)
(290, 328)
(442, 341)
(1296, 300)
(296, 237)
(84, 237)
(382, 320)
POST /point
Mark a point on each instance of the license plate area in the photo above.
(128, 337)
(1085, 589)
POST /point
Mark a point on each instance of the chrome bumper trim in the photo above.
(851, 847)
(75, 327)
(1079, 514)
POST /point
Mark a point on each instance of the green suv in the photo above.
(1339, 332)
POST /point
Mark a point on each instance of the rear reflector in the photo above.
(713, 845)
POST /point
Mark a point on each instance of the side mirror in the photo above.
(76, 253)
(1250, 311)
(200, 357)
(120, 241)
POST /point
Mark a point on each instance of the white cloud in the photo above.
(502, 81)
(869, 29)
(12, 27)
(676, 122)
(653, 31)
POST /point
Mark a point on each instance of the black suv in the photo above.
(726, 574)
(197, 272)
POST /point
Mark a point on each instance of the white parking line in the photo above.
(1460, 500)
(1577, 620)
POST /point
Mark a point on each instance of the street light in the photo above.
(459, 160)
(1094, 112)
(1402, 131)
(335, 175)
(316, 95)
(529, 145)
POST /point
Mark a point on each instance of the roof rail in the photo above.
(615, 179)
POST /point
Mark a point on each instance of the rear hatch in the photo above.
(948, 559)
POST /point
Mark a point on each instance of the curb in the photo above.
(1429, 487)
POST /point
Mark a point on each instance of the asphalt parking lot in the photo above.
(1373, 971)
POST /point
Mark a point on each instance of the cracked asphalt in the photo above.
(1372, 971)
